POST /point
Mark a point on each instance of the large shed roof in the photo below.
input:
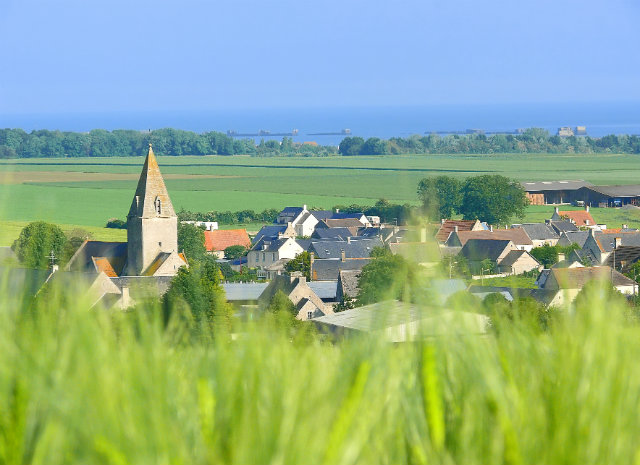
(539, 186)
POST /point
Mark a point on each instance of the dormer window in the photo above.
(158, 205)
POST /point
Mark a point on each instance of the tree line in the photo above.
(533, 140)
(17, 143)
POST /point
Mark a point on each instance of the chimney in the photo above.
(561, 257)
(587, 222)
(455, 228)
(125, 301)
(490, 228)
(423, 235)
(617, 242)
(289, 224)
(312, 258)
(624, 226)
(343, 255)
(586, 207)
(442, 221)
(337, 210)
(556, 210)
(348, 239)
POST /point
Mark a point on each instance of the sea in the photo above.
(600, 119)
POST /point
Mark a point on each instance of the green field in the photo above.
(90, 191)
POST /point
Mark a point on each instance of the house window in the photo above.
(160, 244)
(158, 205)
(274, 256)
(264, 256)
(309, 315)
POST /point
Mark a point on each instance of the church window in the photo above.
(158, 205)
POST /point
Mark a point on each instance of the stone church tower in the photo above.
(152, 224)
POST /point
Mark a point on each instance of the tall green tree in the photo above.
(301, 263)
(36, 242)
(389, 276)
(191, 240)
(441, 196)
(492, 198)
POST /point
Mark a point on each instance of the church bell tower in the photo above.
(152, 224)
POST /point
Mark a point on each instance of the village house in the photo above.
(541, 234)
(275, 231)
(571, 280)
(506, 256)
(581, 218)
(351, 248)
(267, 251)
(449, 226)
(518, 236)
(308, 304)
(218, 240)
(601, 246)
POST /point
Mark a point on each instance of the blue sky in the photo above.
(87, 56)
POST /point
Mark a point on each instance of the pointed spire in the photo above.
(151, 198)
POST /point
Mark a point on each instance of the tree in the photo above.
(389, 276)
(547, 255)
(301, 263)
(351, 146)
(441, 196)
(234, 251)
(199, 287)
(492, 198)
(36, 242)
(191, 241)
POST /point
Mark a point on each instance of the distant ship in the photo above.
(344, 132)
(262, 133)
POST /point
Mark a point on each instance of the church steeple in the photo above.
(152, 224)
(151, 198)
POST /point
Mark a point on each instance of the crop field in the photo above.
(89, 191)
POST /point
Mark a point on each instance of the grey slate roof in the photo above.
(628, 190)
(583, 256)
(272, 245)
(512, 257)
(476, 250)
(321, 214)
(348, 282)
(563, 226)
(539, 231)
(370, 232)
(360, 248)
(331, 233)
(243, 291)
(326, 270)
(304, 243)
(386, 315)
(626, 240)
(270, 231)
(539, 186)
(573, 237)
(326, 290)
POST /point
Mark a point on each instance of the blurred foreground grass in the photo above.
(90, 386)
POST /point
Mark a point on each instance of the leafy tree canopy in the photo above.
(441, 196)
(301, 263)
(36, 242)
(492, 198)
(191, 240)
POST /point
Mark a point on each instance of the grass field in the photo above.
(90, 191)
(95, 387)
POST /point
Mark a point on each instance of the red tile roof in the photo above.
(102, 264)
(220, 239)
(449, 226)
(579, 217)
